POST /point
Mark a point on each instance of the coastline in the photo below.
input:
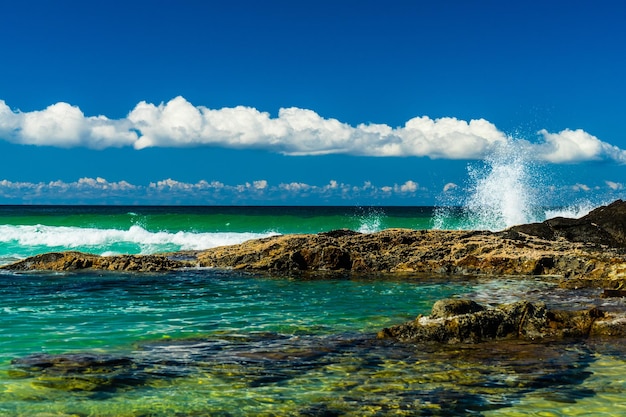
(581, 253)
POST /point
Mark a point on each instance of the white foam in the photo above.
(503, 193)
(574, 211)
(101, 240)
(371, 223)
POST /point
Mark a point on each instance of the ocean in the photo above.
(208, 342)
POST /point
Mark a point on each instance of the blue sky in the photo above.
(324, 102)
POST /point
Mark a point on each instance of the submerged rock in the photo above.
(461, 321)
(78, 371)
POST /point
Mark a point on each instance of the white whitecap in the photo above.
(105, 240)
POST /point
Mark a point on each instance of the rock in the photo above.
(388, 251)
(604, 226)
(586, 252)
(77, 371)
(453, 307)
(463, 321)
(71, 261)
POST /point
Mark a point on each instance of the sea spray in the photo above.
(502, 192)
(370, 220)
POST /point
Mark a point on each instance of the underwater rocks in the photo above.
(462, 321)
(78, 371)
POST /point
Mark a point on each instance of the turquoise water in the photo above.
(205, 342)
(25, 231)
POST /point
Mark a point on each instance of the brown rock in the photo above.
(70, 261)
(462, 321)
(604, 226)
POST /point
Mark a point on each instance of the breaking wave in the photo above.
(136, 239)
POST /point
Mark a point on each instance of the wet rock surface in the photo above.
(464, 321)
(604, 226)
(71, 261)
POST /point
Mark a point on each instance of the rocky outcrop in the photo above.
(604, 226)
(462, 321)
(584, 252)
(70, 261)
(427, 251)
(392, 250)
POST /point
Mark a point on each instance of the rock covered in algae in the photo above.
(460, 321)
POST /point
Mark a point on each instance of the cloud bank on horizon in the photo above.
(295, 131)
(97, 190)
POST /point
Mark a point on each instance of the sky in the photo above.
(310, 102)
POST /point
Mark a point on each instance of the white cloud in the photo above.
(576, 146)
(101, 190)
(581, 187)
(408, 187)
(65, 126)
(260, 185)
(295, 131)
(303, 132)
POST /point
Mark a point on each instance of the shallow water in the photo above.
(210, 342)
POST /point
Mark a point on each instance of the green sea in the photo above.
(210, 342)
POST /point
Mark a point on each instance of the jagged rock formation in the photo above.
(426, 251)
(604, 226)
(461, 321)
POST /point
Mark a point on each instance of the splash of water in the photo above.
(574, 211)
(370, 221)
(502, 192)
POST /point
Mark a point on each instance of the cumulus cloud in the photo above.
(576, 146)
(408, 187)
(295, 131)
(98, 189)
(303, 132)
(63, 125)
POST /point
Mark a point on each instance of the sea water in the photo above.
(219, 342)
(29, 230)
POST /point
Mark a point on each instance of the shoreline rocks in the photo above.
(440, 252)
(72, 261)
(464, 321)
(586, 252)
(583, 253)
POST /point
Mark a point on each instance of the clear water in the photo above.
(209, 342)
